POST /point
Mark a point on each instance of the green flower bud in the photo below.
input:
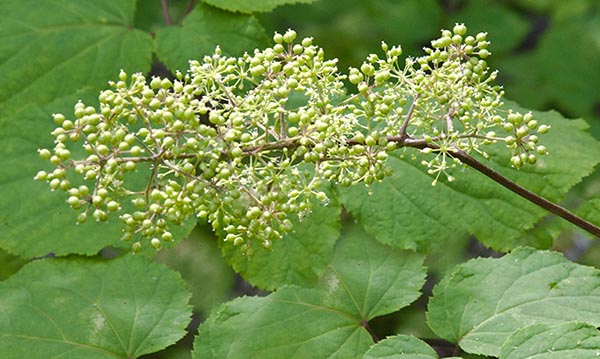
(289, 36)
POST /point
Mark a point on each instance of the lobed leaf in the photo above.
(473, 204)
(205, 28)
(366, 279)
(76, 308)
(53, 48)
(253, 6)
(482, 302)
(401, 347)
(53, 53)
(371, 279)
(545, 341)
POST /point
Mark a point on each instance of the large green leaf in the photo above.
(366, 279)
(482, 302)
(35, 221)
(252, 6)
(77, 308)
(53, 48)
(52, 54)
(202, 30)
(371, 279)
(401, 347)
(297, 258)
(407, 204)
(291, 323)
(544, 341)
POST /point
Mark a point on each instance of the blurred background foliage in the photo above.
(548, 54)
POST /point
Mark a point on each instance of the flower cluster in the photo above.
(249, 141)
(443, 102)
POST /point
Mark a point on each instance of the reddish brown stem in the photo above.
(512, 186)
(365, 325)
(165, 10)
(406, 141)
(190, 7)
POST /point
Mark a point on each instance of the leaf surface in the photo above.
(473, 204)
(322, 322)
(52, 54)
(372, 279)
(401, 347)
(202, 30)
(53, 48)
(483, 301)
(544, 341)
(253, 6)
(35, 221)
(76, 308)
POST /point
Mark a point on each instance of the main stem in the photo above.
(406, 141)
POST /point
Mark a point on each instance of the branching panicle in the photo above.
(247, 142)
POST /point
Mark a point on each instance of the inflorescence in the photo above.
(249, 141)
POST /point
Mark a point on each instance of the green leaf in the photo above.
(401, 347)
(371, 279)
(298, 258)
(53, 48)
(366, 279)
(482, 302)
(202, 30)
(559, 9)
(544, 341)
(253, 6)
(290, 323)
(77, 308)
(35, 221)
(52, 54)
(405, 211)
